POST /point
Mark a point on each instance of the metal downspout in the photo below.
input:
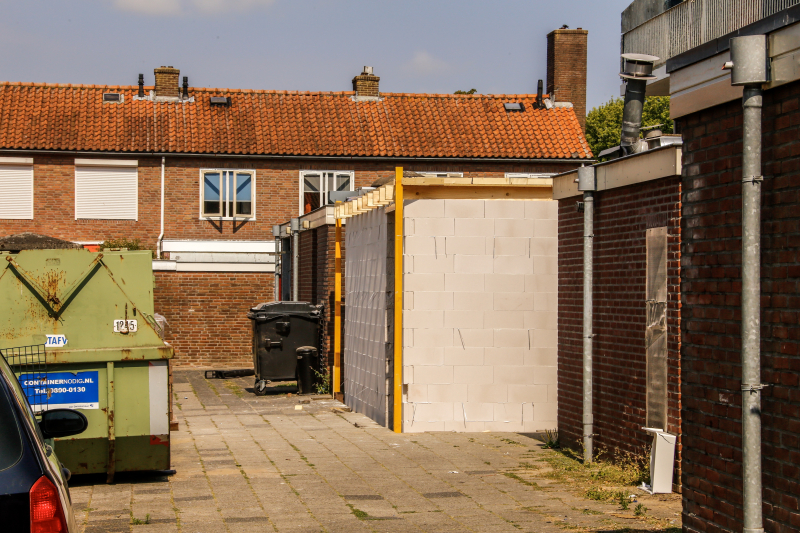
(295, 259)
(159, 244)
(586, 183)
(749, 68)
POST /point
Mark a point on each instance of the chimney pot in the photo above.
(167, 82)
(366, 84)
(566, 69)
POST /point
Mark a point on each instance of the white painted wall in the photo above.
(479, 324)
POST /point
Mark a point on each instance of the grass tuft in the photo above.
(139, 521)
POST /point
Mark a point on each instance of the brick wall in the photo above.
(276, 186)
(566, 68)
(277, 200)
(316, 281)
(206, 311)
(622, 217)
(711, 289)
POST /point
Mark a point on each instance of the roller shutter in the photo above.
(106, 192)
(16, 192)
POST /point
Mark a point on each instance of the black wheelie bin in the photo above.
(279, 329)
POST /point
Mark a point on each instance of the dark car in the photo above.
(34, 497)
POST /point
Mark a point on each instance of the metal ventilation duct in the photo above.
(638, 69)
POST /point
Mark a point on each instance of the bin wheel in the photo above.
(260, 387)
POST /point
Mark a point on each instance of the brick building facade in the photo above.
(624, 212)
(710, 297)
(86, 164)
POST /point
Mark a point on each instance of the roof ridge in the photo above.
(268, 91)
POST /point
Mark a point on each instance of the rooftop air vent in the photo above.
(112, 97)
(517, 107)
(220, 100)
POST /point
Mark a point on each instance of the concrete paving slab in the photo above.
(247, 463)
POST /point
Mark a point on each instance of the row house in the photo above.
(200, 176)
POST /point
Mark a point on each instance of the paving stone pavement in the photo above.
(246, 463)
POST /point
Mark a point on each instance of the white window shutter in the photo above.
(108, 193)
(16, 192)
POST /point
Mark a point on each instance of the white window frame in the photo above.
(224, 175)
(323, 185)
(530, 175)
(108, 163)
(20, 162)
(442, 174)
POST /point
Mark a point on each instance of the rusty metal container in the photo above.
(105, 356)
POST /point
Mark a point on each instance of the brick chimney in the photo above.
(167, 83)
(566, 68)
(366, 84)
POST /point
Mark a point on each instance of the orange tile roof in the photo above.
(74, 117)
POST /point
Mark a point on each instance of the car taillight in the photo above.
(47, 516)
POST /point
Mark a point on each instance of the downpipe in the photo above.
(295, 259)
(749, 68)
(160, 241)
(586, 183)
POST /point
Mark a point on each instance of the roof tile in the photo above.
(74, 117)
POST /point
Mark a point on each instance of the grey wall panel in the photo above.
(365, 320)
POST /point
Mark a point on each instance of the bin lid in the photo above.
(306, 349)
(284, 308)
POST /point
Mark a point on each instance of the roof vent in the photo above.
(112, 97)
(517, 107)
(220, 100)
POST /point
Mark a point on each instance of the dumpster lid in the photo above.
(284, 308)
(33, 241)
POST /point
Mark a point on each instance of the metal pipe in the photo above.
(588, 284)
(632, 114)
(276, 289)
(749, 66)
(587, 183)
(159, 244)
(295, 259)
(637, 69)
(751, 310)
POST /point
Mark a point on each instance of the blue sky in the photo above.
(434, 46)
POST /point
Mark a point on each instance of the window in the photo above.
(227, 193)
(106, 189)
(16, 188)
(315, 187)
(527, 175)
(442, 174)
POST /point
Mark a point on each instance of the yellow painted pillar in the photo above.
(337, 311)
(398, 300)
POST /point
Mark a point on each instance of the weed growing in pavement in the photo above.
(602, 495)
(551, 439)
(234, 388)
(361, 515)
(323, 384)
(623, 500)
(140, 521)
(512, 442)
(521, 480)
(640, 510)
(626, 470)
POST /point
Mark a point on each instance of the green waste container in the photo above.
(94, 314)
